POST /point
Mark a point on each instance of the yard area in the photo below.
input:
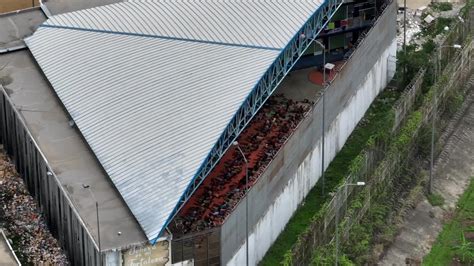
(455, 243)
(12, 5)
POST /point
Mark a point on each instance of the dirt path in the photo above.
(453, 170)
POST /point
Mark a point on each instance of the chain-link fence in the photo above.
(375, 168)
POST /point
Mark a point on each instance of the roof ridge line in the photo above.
(161, 37)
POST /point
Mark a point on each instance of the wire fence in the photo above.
(377, 167)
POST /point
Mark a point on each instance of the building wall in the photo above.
(297, 167)
(30, 163)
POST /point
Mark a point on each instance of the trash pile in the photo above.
(413, 21)
(23, 221)
(418, 18)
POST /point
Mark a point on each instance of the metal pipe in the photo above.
(433, 118)
(246, 202)
(323, 122)
(337, 218)
(337, 229)
(435, 110)
(98, 231)
(98, 220)
(404, 26)
(323, 137)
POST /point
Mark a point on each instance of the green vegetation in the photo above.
(442, 6)
(325, 256)
(375, 123)
(435, 199)
(372, 228)
(456, 242)
(453, 103)
(467, 8)
(437, 27)
(376, 228)
(412, 60)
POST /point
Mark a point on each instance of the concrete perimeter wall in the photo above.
(43, 185)
(297, 166)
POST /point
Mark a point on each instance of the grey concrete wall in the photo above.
(43, 186)
(307, 136)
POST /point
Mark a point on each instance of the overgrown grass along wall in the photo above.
(377, 229)
(455, 243)
(374, 123)
(407, 151)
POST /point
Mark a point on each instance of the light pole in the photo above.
(405, 26)
(323, 122)
(98, 221)
(246, 201)
(435, 110)
(337, 218)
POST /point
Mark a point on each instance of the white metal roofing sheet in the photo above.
(260, 23)
(151, 97)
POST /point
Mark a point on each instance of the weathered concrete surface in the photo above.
(63, 6)
(297, 166)
(453, 171)
(14, 27)
(67, 153)
(298, 87)
(6, 256)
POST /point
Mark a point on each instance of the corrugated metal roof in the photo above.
(151, 85)
(261, 23)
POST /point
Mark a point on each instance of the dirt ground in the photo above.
(414, 4)
(12, 5)
(453, 170)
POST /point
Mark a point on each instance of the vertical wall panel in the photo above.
(63, 222)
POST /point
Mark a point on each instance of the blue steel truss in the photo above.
(260, 94)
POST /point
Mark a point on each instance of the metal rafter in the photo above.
(260, 94)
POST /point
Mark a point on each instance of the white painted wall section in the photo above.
(269, 227)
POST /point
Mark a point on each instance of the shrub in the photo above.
(435, 199)
(442, 6)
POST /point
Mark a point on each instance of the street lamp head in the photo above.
(360, 183)
(235, 143)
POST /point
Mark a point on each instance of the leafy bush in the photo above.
(325, 255)
(435, 199)
(442, 6)
(453, 103)
(465, 250)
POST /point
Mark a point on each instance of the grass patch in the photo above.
(442, 6)
(374, 120)
(456, 242)
(435, 199)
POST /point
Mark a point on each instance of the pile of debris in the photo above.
(23, 221)
(413, 25)
(419, 18)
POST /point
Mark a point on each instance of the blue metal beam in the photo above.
(260, 94)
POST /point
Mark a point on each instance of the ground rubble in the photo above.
(24, 224)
